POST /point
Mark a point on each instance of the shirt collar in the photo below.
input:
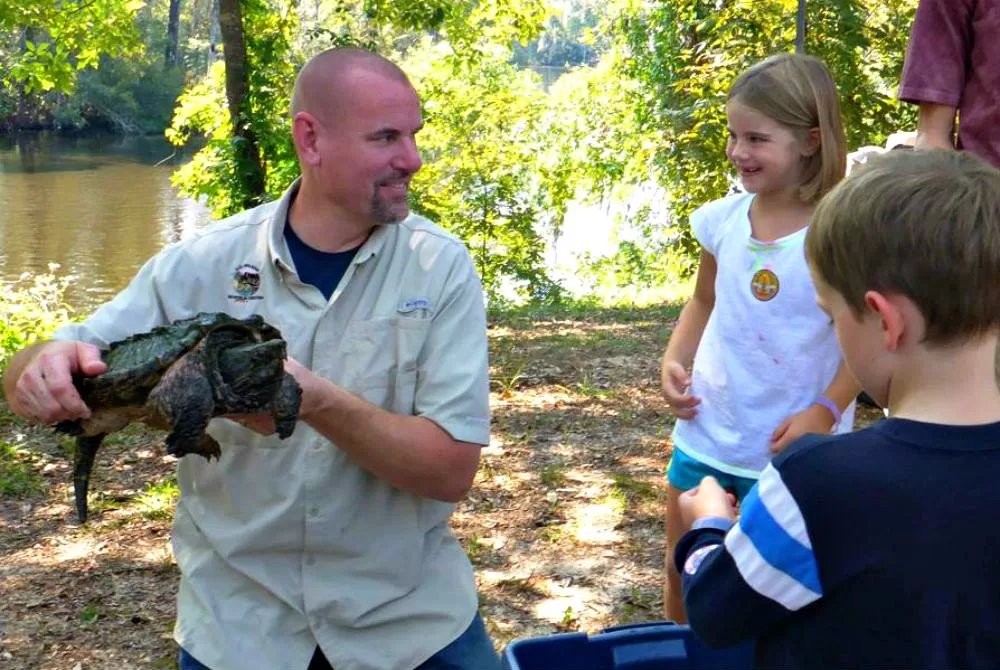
(277, 248)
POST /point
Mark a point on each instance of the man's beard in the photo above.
(382, 209)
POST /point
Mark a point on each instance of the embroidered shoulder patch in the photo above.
(695, 560)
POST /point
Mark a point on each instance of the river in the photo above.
(98, 207)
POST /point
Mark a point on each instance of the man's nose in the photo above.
(408, 158)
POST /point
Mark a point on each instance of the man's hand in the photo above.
(813, 419)
(676, 385)
(708, 499)
(44, 391)
(264, 423)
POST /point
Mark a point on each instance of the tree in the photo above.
(62, 37)
(173, 34)
(245, 147)
(686, 53)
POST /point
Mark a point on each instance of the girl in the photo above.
(767, 368)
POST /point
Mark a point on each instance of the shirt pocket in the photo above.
(383, 356)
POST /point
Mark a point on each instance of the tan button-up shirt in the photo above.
(286, 544)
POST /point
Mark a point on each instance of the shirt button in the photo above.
(314, 511)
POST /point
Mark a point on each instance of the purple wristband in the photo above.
(830, 405)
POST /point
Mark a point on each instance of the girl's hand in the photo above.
(813, 419)
(676, 382)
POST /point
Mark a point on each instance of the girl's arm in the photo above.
(817, 418)
(842, 390)
(684, 341)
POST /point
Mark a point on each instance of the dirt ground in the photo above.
(563, 524)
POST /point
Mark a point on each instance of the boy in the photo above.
(879, 548)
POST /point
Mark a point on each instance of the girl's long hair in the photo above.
(798, 92)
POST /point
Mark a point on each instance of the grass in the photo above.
(19, 477)
(157, 502)
(553, 476)
(637, 489)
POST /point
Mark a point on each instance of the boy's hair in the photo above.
(924, 224)
(798, 92)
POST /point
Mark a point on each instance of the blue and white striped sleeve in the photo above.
(764, 568)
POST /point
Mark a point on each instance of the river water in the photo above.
(99, 207)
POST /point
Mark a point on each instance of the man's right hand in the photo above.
(676, 385)
(43, 391)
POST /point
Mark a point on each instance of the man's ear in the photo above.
(890, 313)
(304, 134)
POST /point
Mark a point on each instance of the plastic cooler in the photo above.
(645, 646)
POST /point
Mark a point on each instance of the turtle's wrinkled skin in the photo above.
(177, 378)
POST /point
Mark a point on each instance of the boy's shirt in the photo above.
(879, 548)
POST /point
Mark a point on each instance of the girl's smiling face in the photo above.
(767, 155)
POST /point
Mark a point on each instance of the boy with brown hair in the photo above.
(878, 548)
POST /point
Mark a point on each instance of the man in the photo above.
(331, 547)
(953, 65)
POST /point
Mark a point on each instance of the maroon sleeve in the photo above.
(938, 54)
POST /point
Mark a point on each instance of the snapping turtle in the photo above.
(177, 378)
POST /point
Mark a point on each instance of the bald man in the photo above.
(330, 548)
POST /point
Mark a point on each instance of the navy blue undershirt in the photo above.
(322, 269)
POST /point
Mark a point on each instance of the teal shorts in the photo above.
(685, 473)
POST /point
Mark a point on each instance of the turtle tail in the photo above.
(83, 462)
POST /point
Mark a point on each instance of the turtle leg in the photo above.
(83, 463)
(183, 400)
(285, 406)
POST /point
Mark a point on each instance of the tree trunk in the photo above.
(250, 169)
(173, 31)
(214, 35)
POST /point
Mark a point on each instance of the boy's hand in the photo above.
(813, 419)
(676, 382)
(708, 499)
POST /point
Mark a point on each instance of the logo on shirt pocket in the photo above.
(246, 283)
(413, 304)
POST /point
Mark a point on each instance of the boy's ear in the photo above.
(812, 142)
(891, 315)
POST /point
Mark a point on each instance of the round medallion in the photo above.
(764, 285)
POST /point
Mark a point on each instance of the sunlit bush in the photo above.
(33, 307)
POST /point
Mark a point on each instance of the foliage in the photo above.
(122, 96)
(215, 170)
(569, 38)
(686, 53)
(58, 38)
(33, 307)
(480, 120)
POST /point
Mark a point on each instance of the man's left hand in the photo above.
(264, 423)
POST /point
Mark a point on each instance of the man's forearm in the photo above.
(935, 126)
(412, 453)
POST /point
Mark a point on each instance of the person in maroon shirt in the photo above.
(953, 65)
